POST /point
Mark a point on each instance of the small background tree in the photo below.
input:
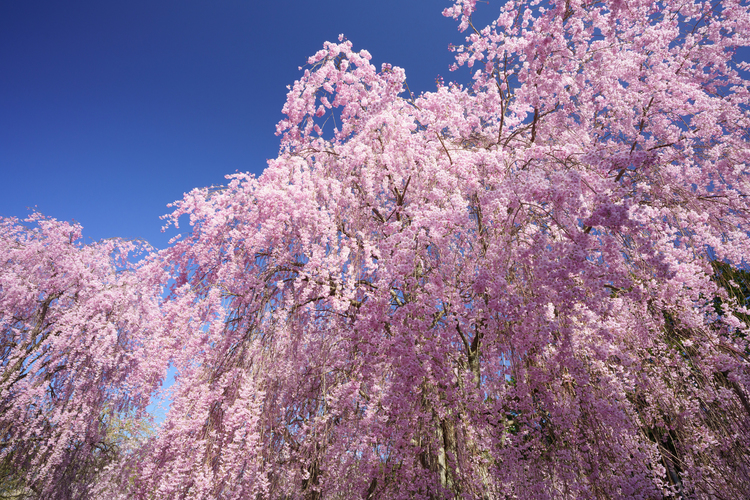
(78, 326)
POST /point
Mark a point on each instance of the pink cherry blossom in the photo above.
(529, 284)
(79, 329)
(503, 289)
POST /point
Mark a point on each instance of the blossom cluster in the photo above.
(531, 285)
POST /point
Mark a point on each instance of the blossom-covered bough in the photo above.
(530, 286)
(77, 367)
(499, 290)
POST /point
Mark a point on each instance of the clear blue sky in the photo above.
(111, 110)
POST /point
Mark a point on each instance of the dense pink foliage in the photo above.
(502, 290)
(495, 291)
(75, 327)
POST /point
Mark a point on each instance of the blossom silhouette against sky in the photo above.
(113, 110)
